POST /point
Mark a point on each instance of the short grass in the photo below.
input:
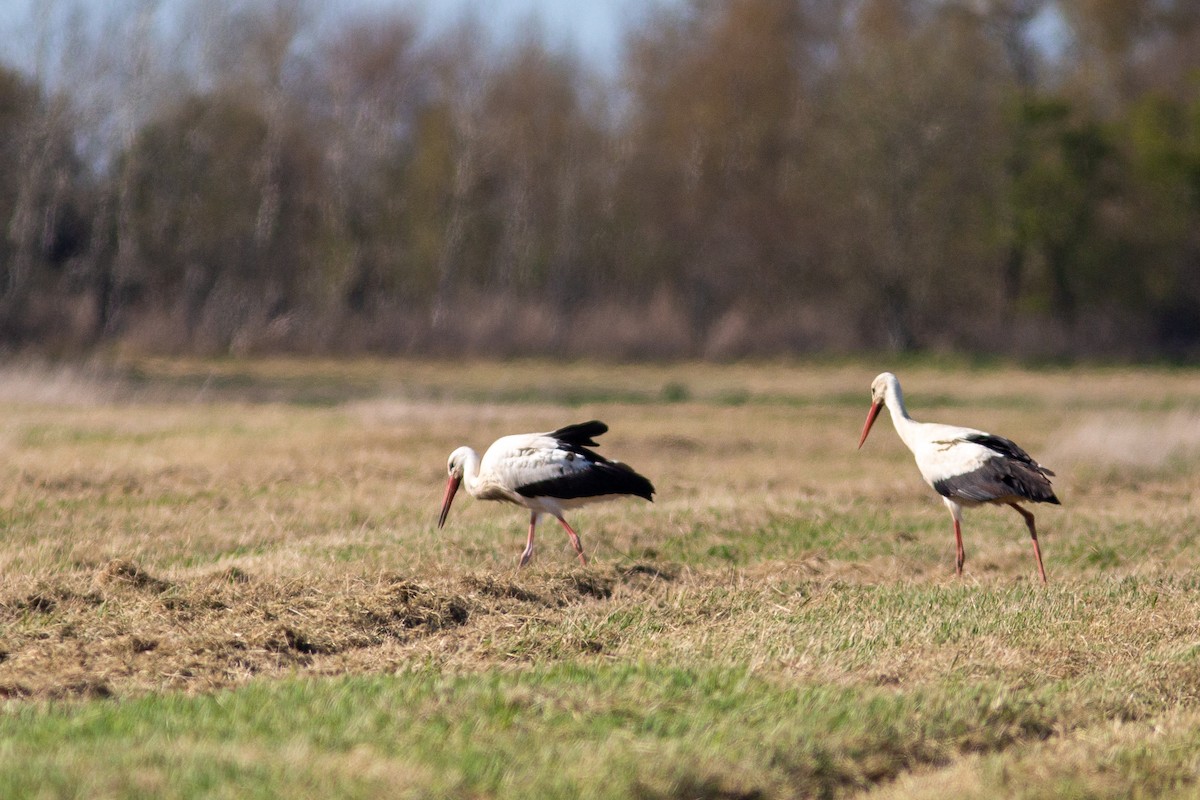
(223, 579)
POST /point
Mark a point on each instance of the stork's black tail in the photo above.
(581, 433)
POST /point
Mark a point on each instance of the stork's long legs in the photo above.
(533, 521)
(960, 555)
(1037, 551)
(528, 554)
(574, 541)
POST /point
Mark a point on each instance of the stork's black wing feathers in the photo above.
(1007, 448)
(998, 478)
(603, 478)
(580, 434)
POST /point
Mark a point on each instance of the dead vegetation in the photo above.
(197, 532)
(123, 630)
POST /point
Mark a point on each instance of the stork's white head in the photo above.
(880, 387)
(885, 389)
(456, 466)
(457, 462)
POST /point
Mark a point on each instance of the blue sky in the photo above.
(591, 27)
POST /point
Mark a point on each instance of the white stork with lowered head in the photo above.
(965, 466)
(547, 473)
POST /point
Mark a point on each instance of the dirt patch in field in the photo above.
(119, 629)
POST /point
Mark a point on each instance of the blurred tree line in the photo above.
(760, 176)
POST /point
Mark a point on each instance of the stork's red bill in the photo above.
(547, 473)
(967, 467)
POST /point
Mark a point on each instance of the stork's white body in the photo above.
(942, 451)
(547, 473)
(967, 467)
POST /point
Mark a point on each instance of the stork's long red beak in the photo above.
(451, 488)
(871, 415)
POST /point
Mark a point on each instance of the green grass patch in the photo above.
(564, 731)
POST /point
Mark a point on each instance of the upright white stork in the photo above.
(545, 472)
(965, 466)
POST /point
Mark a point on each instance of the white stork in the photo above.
(545, 472)
(965, 466)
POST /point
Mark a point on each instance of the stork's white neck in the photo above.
(470, 462)
(905, 425)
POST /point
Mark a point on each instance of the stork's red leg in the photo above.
(528, 554)
(960, 555)
(1037, 551)
(574, 541)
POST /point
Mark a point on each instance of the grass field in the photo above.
(223, 579)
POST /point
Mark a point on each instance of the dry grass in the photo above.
(191, 526)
